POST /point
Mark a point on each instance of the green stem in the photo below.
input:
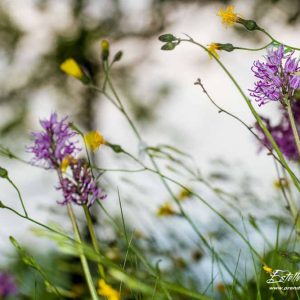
(253, 49)
(293, 125)
(276, 41)
(93, 238)
(19, 194)
(83, 259)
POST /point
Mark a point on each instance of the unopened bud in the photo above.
(249, 24)
(3, 173)
(167, 38)
(118, 56)
(168, 46)
(105, 49)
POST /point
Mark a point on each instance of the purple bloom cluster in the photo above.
(282, 133)
(54, 143)
(81, 188)
(53, 147)
(277, 76)
(8, 285)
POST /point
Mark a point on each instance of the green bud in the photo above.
(226, 47)
(118, 56)
(249, 24)
(168, 46)
(2, 205)
(116, 148)
(167, 38)
(105, 49)
(3, 173)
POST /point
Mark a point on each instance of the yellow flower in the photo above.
(166, 210)
(71, 67)
(66, 162)
(281, 183)
(228, 16)
(184, 194)
(94, 140)
(212, 48)
(107, 291)
(267, 269)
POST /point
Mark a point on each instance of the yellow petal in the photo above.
(267, 269)
(107, 291)
(94, 140)
(66, 162)
(212, 48)
(71, 67)
(228, 16)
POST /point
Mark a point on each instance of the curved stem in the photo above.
(293, 125)
(276, 41)
(83, 259)
(254, 49)
(19, 194)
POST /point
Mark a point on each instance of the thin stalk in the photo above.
(293, 125)
(83, 259)
(276, 41)
(20, 196)
(254, 49)
(93, 238)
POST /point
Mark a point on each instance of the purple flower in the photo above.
(282, 132)
(81, 188)
(8, 285)
(54, 142)
(277, 77)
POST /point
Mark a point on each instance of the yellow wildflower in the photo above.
(220, 287)
(228, 16)
(267, 269)
(212, 48)
(184, 194)
(94, 140)
(71, 67)
(166, 210)
(281, 183)
(107, 291)
(66, 162)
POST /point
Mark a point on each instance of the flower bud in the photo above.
(105, 49)
(167, 38)
(3, 173)
(249, 24)
(118, 56)
(168, 46)
(226, 47)
(116, 148)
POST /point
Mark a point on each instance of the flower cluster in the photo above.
(8, 285)
(55, 148)
(54, 143)
(278, 76)
(80, 188)
(282, 132)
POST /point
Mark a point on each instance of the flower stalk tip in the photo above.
(105, 49)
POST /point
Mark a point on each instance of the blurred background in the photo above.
(157, 87)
